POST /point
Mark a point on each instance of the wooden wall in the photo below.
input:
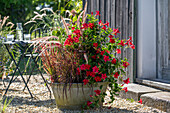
(119, 13)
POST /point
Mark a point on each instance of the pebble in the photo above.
(41, 103)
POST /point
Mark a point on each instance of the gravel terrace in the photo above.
(22, 102)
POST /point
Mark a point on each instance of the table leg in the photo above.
(15, 71)
(39, 70)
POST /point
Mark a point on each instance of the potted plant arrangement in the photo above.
(84, 62)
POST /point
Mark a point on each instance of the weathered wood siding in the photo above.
(163, 36)
(119, 14)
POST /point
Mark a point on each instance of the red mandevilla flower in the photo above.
(97, 13)
(89, 103)
(126, 81)
(112, 40)
(121, 43)
(125, 64)
(104, 27)
(140, 101)
(85, 81)
(102, 52)
(85, 25)
(107, 23)
(113, 61)
(106, 58)
(92, 74)
(68, 41)
(94, 56)
(100, 22)
(111, 36)
(125, 89)
(91, 13)
(78, 71)
(118, 51)
(97, 92)
(97, 79)
(132, 46)
(115, 31)
(116, 75)
(82, 67)
(88, 73)
(95, 44)
(95, 69)
(76, 39)
(87, 66)
(91, 25)
(104, 76)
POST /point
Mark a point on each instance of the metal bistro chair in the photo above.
(37, 32)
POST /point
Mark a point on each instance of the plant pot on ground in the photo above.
(89, 54)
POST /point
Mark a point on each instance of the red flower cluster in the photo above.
(126, 81)
(91, 25)
(106, 58)
(129, 43)
(112, 40)
(95, 44)
(118, 51)
(97, 79)
(89, 103)
(125, 64)
(97, 13)
(68, 41)
(140, 101)
(85, 81)
(104, 76)
(125, 89)
(116, 75)
(92, 74)
(97, 92)
(115, 31)
(121, 43)
(95, 69)
(113, 61)
(85, 66)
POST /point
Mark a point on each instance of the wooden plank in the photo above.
(166, 54)
(108, 11)
(169, 27)
(97, 6)
(92, 6)
(130, 51)
(102, 3)
(113, 11)
(159, 40)
(88, 7)
(117, 19)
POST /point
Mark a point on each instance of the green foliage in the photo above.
(22, 10)
(4, 105)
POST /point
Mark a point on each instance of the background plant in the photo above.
(5, 28)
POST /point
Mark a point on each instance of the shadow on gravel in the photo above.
(19, 101)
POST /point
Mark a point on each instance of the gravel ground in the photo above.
(41, 103)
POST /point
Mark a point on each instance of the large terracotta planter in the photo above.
(76, 96)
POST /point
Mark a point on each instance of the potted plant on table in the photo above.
(85, 62)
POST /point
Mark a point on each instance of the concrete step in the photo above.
(150, 96)
(136, 90)
(160, 100)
